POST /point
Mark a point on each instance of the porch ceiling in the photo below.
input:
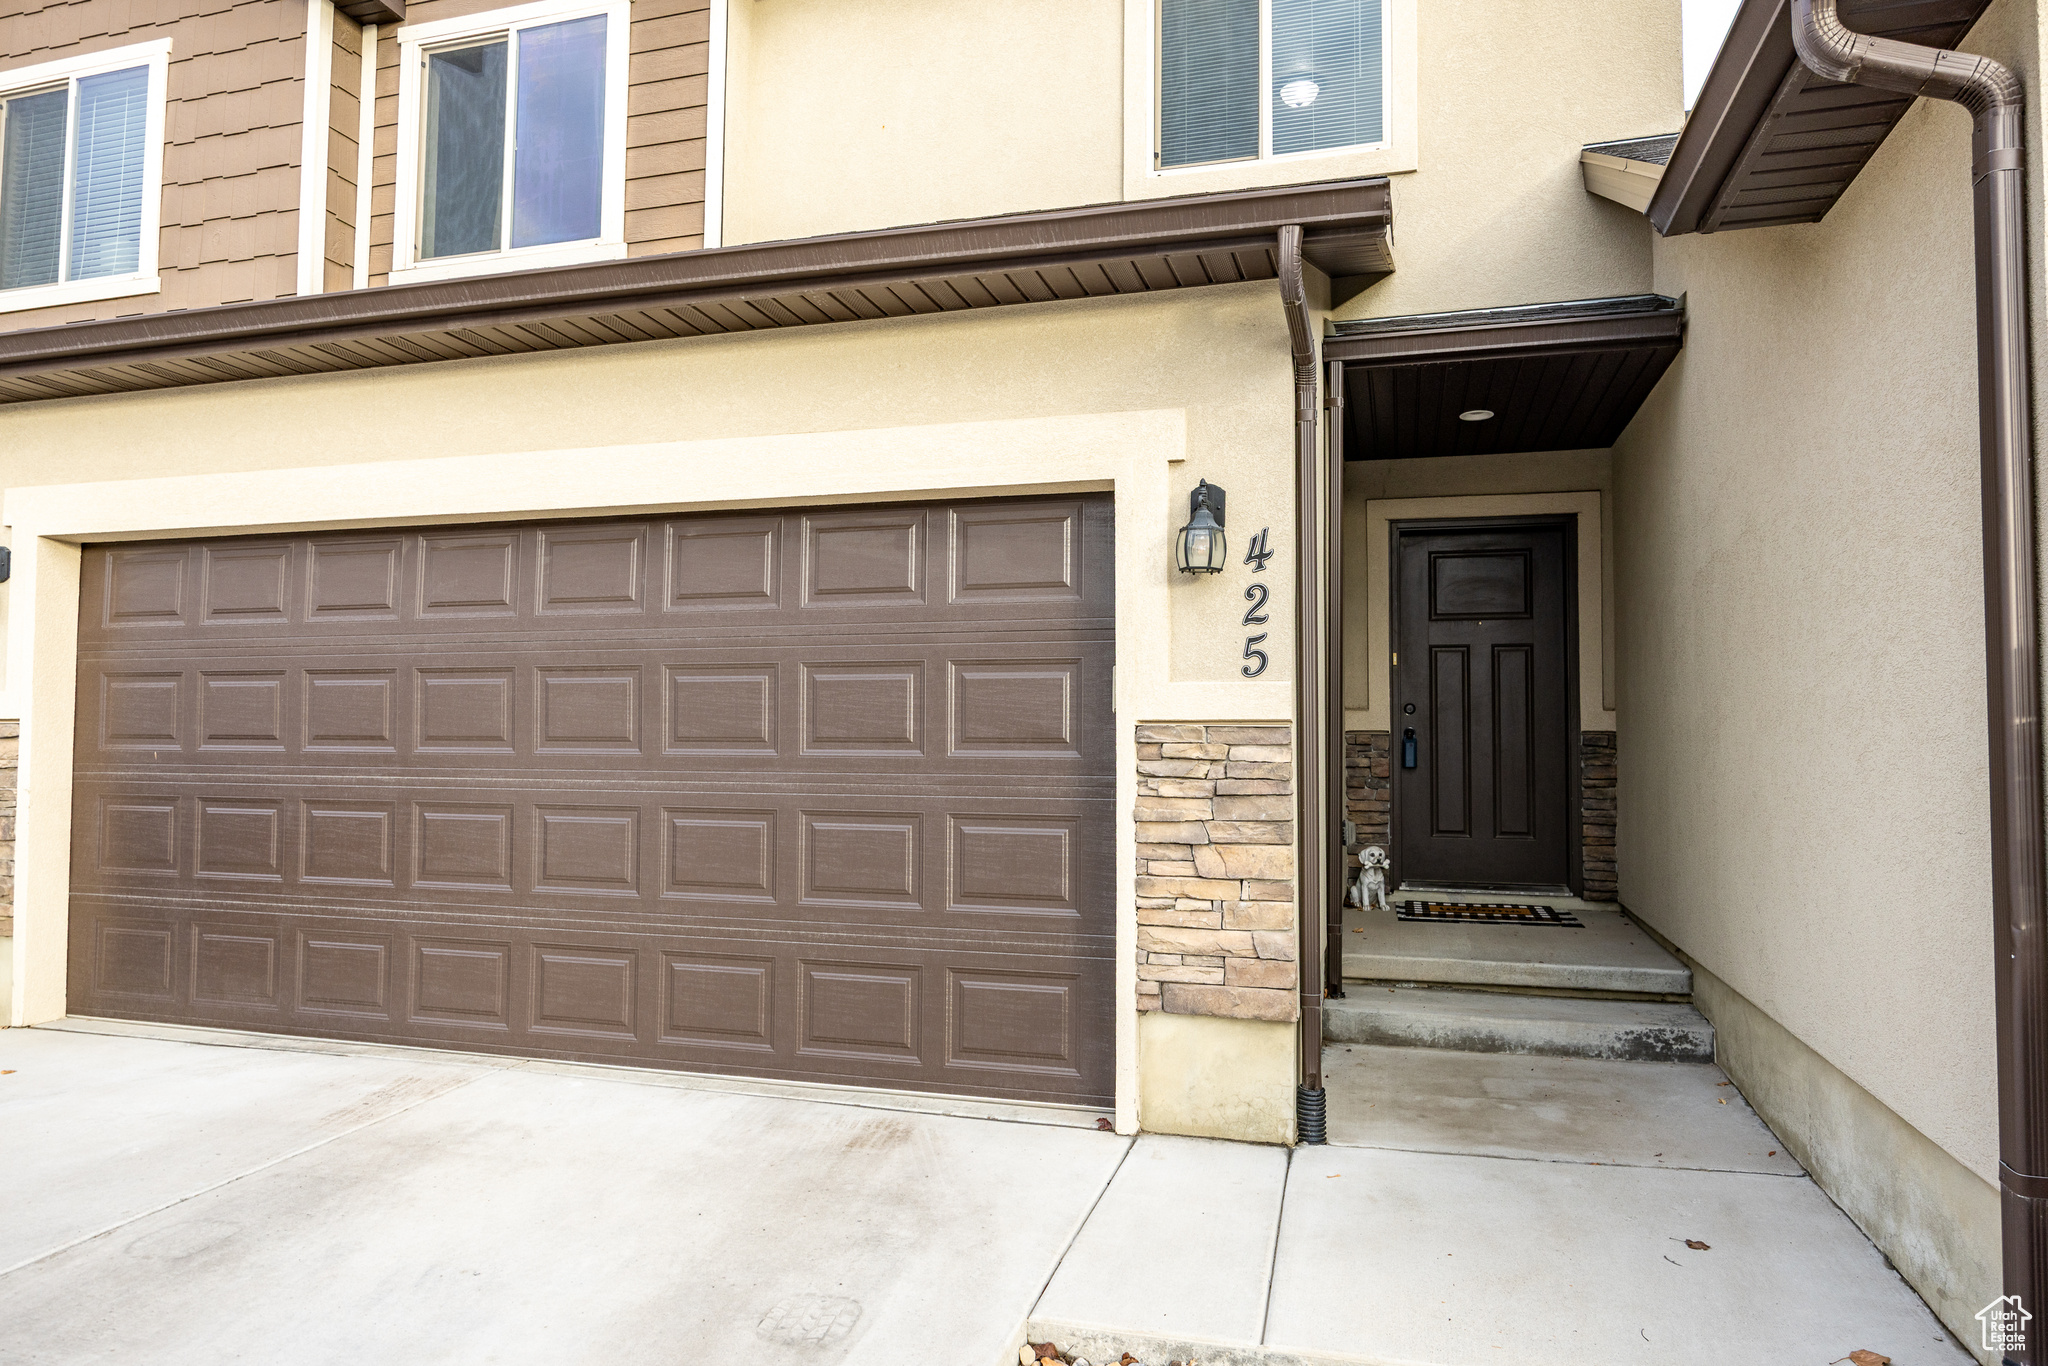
(1099, 251)
(1769, 142)
(1556, 377)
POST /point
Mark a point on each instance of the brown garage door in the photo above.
(823, 794)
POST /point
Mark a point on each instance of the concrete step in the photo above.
(1497, 1022)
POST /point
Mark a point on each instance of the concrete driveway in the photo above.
(171, 1202)
(183, 1196)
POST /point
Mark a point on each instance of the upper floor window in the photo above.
(515, 125)
(81, 177)
(1246, 79)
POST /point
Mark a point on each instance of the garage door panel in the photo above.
(815, 709)
(963, 859)
(1003, 562)
(822, 795)
(837, 1010)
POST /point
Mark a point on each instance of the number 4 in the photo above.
(1256, 554)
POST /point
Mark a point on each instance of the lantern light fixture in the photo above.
(1200, 548)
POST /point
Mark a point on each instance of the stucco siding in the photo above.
(1803, 806)
(1496, 212)
(231, 131)
(853, 116)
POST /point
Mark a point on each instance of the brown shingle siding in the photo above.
(343, 110)
(232, 136)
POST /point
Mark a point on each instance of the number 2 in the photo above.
(1255, 615)
(1254, 669)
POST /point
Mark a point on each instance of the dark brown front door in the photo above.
(824, 794)
(1482, 739)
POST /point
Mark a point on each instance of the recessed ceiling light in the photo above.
(1475, 415)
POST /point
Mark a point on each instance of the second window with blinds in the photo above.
(511, 141)
(1243, 80)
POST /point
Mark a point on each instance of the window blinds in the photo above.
(106, 174)
(32, 188)
(1208, 81)
(1326, 74)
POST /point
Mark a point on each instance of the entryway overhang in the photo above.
(1552, 377)
(1099, 251)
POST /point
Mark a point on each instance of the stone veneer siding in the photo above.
(1369, 788)
(1215, 819)
(1597, 771)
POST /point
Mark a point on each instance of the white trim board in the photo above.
(311, 262)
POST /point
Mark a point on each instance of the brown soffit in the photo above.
(1112, 249)
(1555, 377)
(373, 11)
(1767, 141)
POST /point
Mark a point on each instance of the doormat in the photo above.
(1452, 912)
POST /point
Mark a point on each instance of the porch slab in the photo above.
(1500, 1022)
(518, 1217)
(1609, 953)
(1668, 1115)
(1182, 1242)
(1454, 1260)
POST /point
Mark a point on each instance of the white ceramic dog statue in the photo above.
(1369, 890)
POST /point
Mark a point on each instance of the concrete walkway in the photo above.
(184, 1196)
(1485, 1208)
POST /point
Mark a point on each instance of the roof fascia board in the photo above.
(1343, 214)
(1746, 75)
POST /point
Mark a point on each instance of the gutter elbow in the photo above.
(1294, 301)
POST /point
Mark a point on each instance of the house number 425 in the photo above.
(1256, 555)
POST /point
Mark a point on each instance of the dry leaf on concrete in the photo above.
(1697, 1246)
(1863, 1356)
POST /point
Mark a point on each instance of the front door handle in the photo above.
(1408, 747)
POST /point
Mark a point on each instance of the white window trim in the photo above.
(1144, 180)
(144, 279)
(610, 243)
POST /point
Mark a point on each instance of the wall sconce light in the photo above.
(1200, 549)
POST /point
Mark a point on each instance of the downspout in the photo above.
(1310, 701)
(1994, 98)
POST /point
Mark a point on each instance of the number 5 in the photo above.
(1253, 670)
